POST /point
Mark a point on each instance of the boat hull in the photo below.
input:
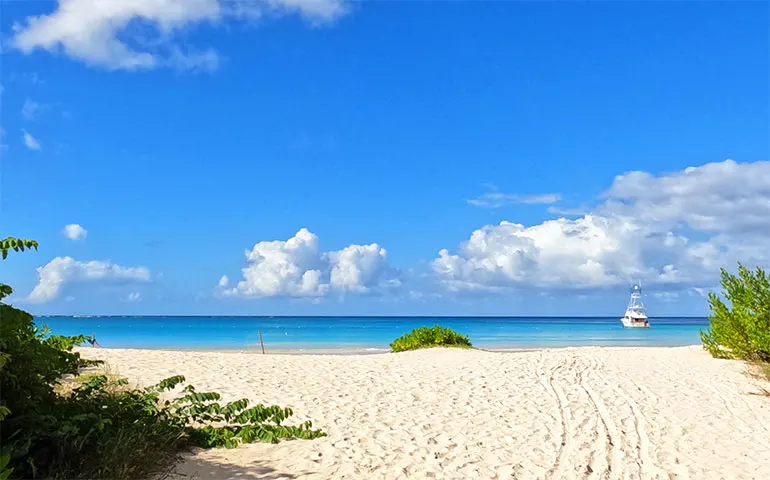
(635, 322)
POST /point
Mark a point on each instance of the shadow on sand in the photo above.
(204, 468)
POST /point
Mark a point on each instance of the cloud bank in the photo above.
(675, 229)
(672, 230)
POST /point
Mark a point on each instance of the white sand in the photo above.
(445, 413)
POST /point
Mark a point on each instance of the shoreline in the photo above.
(366, 351)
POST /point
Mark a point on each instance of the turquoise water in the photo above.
(368, 333)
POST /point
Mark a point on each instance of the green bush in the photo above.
(425, 337)
(742, 329)
(33, 360)
(102, 428)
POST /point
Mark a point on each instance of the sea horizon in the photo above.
(512, 317)
(352, 334)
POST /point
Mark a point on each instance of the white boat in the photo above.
(636, 315)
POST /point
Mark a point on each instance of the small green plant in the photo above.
(426, 337)
(742, 329)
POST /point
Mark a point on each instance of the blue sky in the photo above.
(192, 137)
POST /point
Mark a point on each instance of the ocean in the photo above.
(367, 334)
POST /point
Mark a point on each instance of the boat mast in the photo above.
(635, 303)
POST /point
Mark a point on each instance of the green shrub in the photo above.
(34, 360)
(742, 329)
(425, 337)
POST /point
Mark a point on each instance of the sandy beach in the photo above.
(588, 412)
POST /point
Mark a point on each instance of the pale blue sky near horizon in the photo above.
(377, 127)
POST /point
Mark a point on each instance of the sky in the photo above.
(327, 157)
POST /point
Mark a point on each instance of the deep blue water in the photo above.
(369, 333)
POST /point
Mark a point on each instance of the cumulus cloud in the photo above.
(30, 142)
(675, 229)
(134, 297)
(298, 268)
(64, 270)
(73, 231)
(133, 34)
(358, 268)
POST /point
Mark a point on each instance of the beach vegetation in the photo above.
(739, 323)
(427, 337)
(17, 245)
(57, 423)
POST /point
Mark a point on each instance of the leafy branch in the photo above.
(17, 245)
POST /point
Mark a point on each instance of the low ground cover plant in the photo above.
(426, 337)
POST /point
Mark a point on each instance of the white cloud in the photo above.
(74, 231)
(30, 142)
(30, 110)
(716, 197)
(356, 268)
(297, 268)
(137, 34)
(63, 270)
(675, 229)
(134, 297)
(499, 199)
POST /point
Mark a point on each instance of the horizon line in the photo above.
(356, 316)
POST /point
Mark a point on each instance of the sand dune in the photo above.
(628, 413)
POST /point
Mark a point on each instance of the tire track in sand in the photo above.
(557, 393)
(646, 463)
(613, 455)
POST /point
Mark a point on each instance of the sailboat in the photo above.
(636, 315)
